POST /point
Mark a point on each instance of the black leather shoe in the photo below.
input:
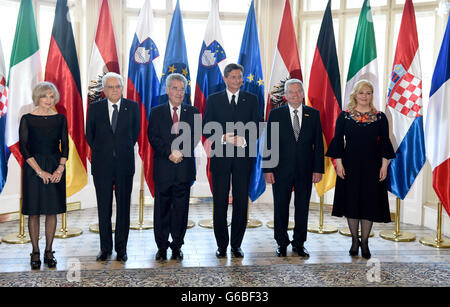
(103, 256)
(221, 253)
(281, 251)
(177, 254)
(161, 255)
(354, 249)
(237, 252)
(122, 257)
(365, 251)
(300, 250)
(35, 260)
(49, 259)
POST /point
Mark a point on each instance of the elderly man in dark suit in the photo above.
(112, 130)
(172, 136)
(300, 157)
(231, 158)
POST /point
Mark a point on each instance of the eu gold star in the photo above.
(172, 69)
(260, 82)
(250, 78)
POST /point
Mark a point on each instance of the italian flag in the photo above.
(363, 62)
(24, 74)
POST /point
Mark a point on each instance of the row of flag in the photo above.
(146, 85)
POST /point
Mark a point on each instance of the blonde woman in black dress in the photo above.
(362, 151)
(44, 146)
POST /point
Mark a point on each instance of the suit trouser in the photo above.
(282, 191)
(221, 189)
(170, 215)
(123, 186)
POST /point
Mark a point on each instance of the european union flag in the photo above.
(250, 58)
(175, 60)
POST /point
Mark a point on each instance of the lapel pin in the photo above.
(306, 114)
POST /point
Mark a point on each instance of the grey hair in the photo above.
(293, 81)
(176, 76)
(41, 89)
(111, 75)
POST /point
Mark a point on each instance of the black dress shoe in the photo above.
(161, 255)
(103, 256)
(354, 249)
(237, 252)
(221, 253)
(300, 250)
(49, 259)
(122, 257)
(281, 251)
(365, 251)
(177, 254)
(35, 260)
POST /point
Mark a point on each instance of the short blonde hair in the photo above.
(358, 86)
(41, 89)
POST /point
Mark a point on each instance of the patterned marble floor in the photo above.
(199, 249)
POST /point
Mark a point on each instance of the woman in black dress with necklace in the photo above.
(44, 145)
(362, 150)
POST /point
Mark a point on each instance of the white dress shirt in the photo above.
(299, 114)
(230, 95)
(178, 111)
(111, 109)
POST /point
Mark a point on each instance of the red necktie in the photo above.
(175, 119)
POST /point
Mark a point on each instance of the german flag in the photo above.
(62, 70)
(324, 92)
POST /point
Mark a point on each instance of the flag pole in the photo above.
(321, 228)
(397, 235)
(65, 232)
(21, 237)
(252, 223)
(141, 224)
(437, 242)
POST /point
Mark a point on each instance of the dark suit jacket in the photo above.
(297, 158)
(104, 142)
(218, 109)
(161, 138)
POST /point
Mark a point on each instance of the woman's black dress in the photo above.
(45, 139)
(361, 140)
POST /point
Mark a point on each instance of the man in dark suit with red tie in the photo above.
(300, 157)
(172, 136)
(112, 130)
(231, 157)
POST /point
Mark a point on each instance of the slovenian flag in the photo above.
(286, 63)
(324, 92)
(250, 58)
(24, 74)
(211, 64)
(63, 71)
(363, 62)
(4, 151)
(175, 59)
(437, 128)
(143, 83)
(405, 109)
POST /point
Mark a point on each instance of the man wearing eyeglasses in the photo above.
(112, 130)
(170, 124)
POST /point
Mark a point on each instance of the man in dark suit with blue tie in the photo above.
(112, 130)
(171, 133)
(300, 157)
(231, 157)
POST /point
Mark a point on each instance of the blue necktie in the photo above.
(115, 115)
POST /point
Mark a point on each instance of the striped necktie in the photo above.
(296, 125)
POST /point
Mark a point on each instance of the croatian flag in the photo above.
(405, 109)
(4, 151)
(143, 83)
(211, 64)
(437, 128)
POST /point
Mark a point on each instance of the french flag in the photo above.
(143, 83)
(211, 64)
(405, 109)
(437, 128)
